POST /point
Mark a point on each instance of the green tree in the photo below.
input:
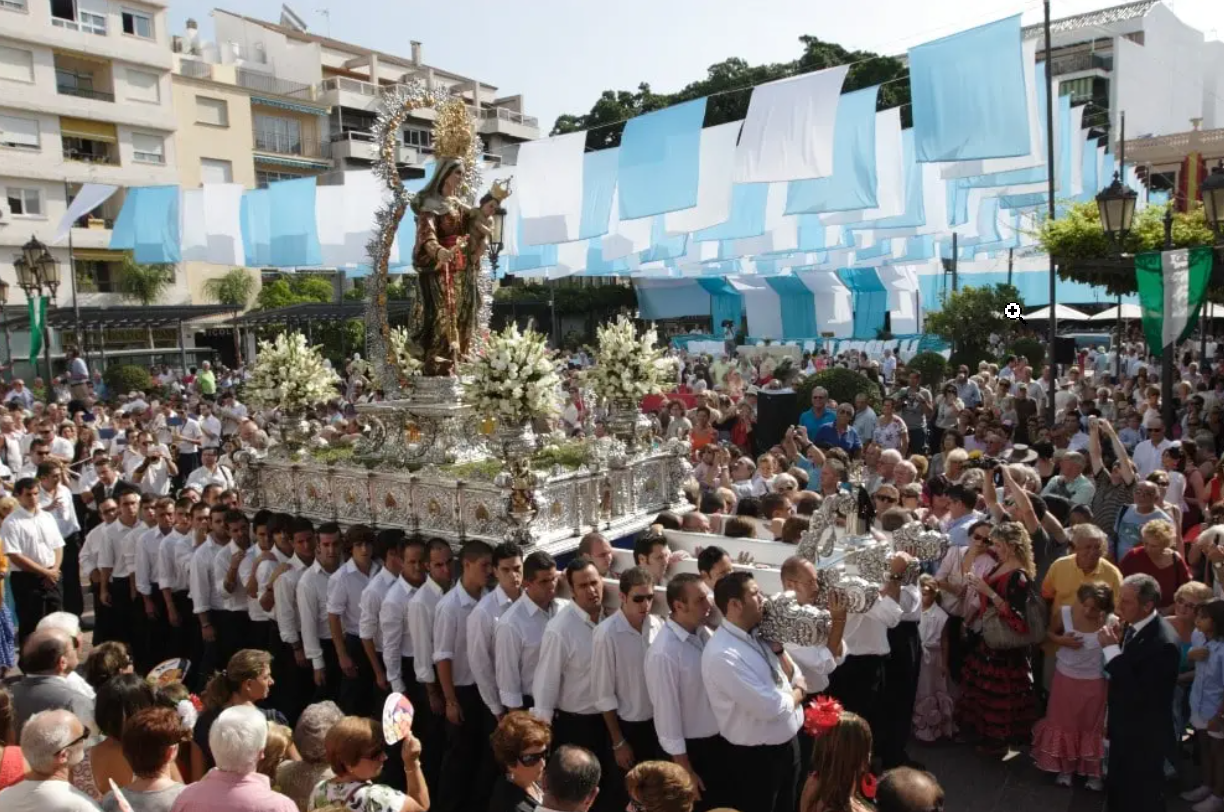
(235, 289)
(969, 316)
(144, 283)
(295, 289)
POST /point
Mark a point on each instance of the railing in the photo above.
(194, 69)
(85, 220)
(89, 157)
(285, 144)
(263, 83)
(86, 21)
(80, 92)
(1075, 63)
(240, 51)
(348, 86)
(353, 135)
(502, 114)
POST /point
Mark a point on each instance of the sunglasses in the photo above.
(977, 537)
(641, 598)
(377, 755)
(532, 759)
(84, 736)
(888, 499)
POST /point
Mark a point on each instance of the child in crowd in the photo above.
(933, 707)
(1206, 698)
(1070, 739)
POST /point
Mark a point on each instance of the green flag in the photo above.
(1171, 289)
(38, 323)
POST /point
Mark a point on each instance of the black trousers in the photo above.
(770, 773)
(641, 738)
(858, 684)
(33, 599)
(467, 765)
(900, 692)
(357, 694)
(296, 690)
(152, 641)
(182, 640)
(123, 622)
(588, 730)
(70, 580)
(426, 726)
(1135, 782)
(237, 633)
(330, 689)
(710, 759)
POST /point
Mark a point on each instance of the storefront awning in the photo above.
(98, 255)
(84, 128)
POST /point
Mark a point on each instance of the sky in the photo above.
(561, 54)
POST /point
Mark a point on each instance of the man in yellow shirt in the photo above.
(1069, 573)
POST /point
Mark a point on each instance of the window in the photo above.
(262, 178)
(67, 14)
(418, 138)
(24, 201)
(16, 5)
(21, 133)
(137, 23)
(148, 149)
(143, 86)
(16, 64)
(275, 134)
(213, 170)
(96, 276)
(212, 111)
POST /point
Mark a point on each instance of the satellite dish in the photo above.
(290, 19)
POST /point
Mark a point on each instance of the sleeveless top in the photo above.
(11, 770)
(1079, 663)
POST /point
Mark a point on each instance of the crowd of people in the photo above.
(1075, 613)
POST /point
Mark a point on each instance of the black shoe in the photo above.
(87, 624)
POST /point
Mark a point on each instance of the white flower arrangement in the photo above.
(628, 367)
(408, 365)
(513, 377)
(290, 375)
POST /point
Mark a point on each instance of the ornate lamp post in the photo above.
(8, 344)
(36, 268)
(496, 233)
(1116, 203)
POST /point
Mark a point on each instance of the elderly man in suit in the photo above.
(1142, 662)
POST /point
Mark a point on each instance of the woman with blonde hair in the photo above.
(1157, 556)
(660, 786)
(998, 703)
(246, 680)
(277, 751)
(296, 779)
(841, 760)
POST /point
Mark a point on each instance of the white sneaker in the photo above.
(1212, 803)
(1096, 785)
(1063, 780)
(1197, 794)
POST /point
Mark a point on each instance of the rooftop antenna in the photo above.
(327, 16)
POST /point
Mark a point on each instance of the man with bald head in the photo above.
(597, 548)
(908, 790)
(53, 742)
(47, 659)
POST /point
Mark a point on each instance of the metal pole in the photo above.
(76, 306)
(182, 346)
(8, 342)
(1168, 363)
(955, 259)
(1049, 78)
(1011, 257)
(50, 372)
(1118, 348)
(1121, 174)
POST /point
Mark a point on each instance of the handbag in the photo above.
(999, 635)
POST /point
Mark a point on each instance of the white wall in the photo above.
(34, 25)
(285, 58)
(1159, 85)
(1213, 85)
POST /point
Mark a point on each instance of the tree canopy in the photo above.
(616, 106)
(969, 316)
(294, 289)
(235, 288)
(144, 283)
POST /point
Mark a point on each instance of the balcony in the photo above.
(1080, 63)
(289, 144)
(84, 93)
(83, 78)
(359, 145)
(104, 158)
(195, 70)
(500, 121)
(264, 83)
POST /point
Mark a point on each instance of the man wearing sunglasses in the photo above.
(53, 742)
(1148, 453)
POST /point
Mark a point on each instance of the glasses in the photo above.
(641, 598)
(981, 537)
(74, 742)
(888, 499)
(532, 759)
(377, 755)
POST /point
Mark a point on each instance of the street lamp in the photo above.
(35, 268)
(8, 344)
(1116, 203)
(496, 232)
(1213, 201)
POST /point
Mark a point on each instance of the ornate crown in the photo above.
(453, 134)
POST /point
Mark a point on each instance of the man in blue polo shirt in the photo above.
(819, 415)
(840, 433)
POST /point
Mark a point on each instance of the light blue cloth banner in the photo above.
(747, 218)
(599, 170)
(256, 227)
(1034, 287)
(1062, 175)
(798, 306)
(148, 225)
(663, 247)
(1026, 201)
(918, 249)
(294, 234)
(659, 163)
(869, 299)
(1108, 167)
(881, 250)
(1160, 199)
(915, 205)
(598, 266)
(852, 186)
(405, 235)
(1088, 168)
(672, 301)
(969, 97)
(725, 302)
(958, 203)
(811, 233)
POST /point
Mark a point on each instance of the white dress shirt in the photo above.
(450, 633)
(65, 514)
(371, 604)
(816, 664)
(174, 561)
(90, 550)
(480, 625)
(202, 477)
(676, 688)
(1147, 457)
(563, 675)
(205, 593)
(749, 693)
(421, 610)
(910, 601)
(312, 612)
(396, 638)
(516, 647)
(344, 590)
(263, 574)
(32, 535)
(235, 601)
(867, 633)
(284, 596)
(1114, 650)
(118, 554)
(618, 664)
(190, 430)
(148, 552)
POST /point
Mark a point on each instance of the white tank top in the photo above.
(1086, 662)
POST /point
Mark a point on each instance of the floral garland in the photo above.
(514, 377)
(290, 375)
(400, 344)
(628, 367)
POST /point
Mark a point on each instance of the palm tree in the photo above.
(144, 283)
(236, 289)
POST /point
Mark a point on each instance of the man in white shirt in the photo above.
(344, 623)
(386, 549)
(55, 498)
(231, 412)
(312, 611)
(174, 578)
(154, 634)
(207, 601)
(117, 561)
(155, 471)
(295, 693)
(53, 743)
(210, 425)
(757, 694)
(10, 450)
(210, 472)
(520, 631)
(90, 573)
(619, 648)
(466, 771)
(35, 551)
(562, 689)
(262, 560)
(397, 651)
(508, 570)
(1148, 453)
(235, 627)
(422, 610)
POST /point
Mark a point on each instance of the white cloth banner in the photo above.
(550, 188)
(89, 198)
(890, 174)
(625, 237)
(223, 223)
(762, 307)
(781, 229)
(714, 182)
(788, 134)
(194, 234)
